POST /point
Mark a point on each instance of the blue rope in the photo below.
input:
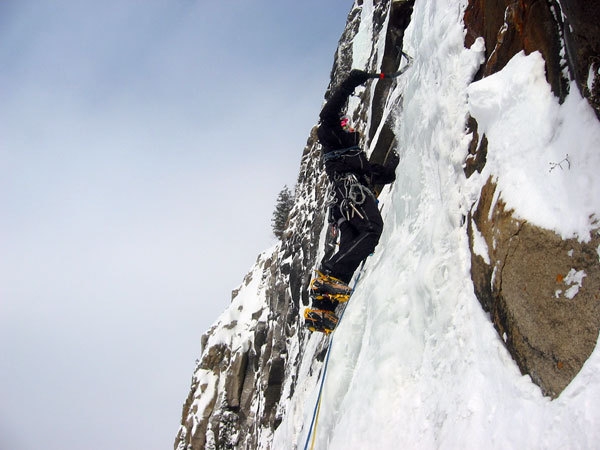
(313, 421)
(318, 402)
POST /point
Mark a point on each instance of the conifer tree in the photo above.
(285, 201)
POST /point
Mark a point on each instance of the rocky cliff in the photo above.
(255, 353)
(548, 336)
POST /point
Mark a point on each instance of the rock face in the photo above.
(509, 27)
(526, 285)
(542, 292)
(582, 35)
(529, 287)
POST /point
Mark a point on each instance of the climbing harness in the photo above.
(353, 194)
(350, 151)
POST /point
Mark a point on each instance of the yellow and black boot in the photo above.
(324, 287)
(320, 320)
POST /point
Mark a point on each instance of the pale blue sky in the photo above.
(142, 148)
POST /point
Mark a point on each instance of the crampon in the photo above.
(320, 320)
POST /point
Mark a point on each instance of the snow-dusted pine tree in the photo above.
(283, 206)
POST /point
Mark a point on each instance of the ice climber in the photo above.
(354, 210)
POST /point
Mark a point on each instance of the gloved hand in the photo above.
(357, 77)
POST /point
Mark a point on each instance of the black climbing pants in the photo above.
(360, 229)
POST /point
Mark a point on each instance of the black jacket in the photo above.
(341, 152)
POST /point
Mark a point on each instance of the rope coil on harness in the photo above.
(356, 193)
(350, 151)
